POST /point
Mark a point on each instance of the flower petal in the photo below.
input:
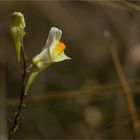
(59, 48)
(53, 38)
(42, 60)
(61, 57)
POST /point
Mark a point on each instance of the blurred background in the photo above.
(81, 98)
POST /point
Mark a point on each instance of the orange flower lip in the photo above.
(59, 48)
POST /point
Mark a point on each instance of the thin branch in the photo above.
(126, 93)
(23, 73)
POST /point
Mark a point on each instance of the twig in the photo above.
(23, 73)
(126, 93)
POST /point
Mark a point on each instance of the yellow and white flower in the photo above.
(53, 51)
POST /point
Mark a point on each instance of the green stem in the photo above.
(30, 80)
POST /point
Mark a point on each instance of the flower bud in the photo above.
(17, 31)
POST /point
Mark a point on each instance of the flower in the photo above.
(17, 30)
(53, 51)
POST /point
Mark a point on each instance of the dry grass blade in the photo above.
(126, 93)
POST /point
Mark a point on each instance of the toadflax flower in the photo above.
(17, 31)
(53, 51)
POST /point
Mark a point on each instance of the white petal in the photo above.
(53, 37)
(61, 57)
(53, 45)
(43, 59)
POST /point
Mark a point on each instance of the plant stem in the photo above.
(126, 93)
(23, 82)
